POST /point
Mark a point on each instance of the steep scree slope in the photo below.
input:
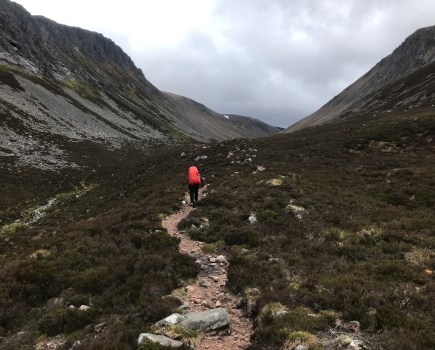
(61, 84)
(405, 79)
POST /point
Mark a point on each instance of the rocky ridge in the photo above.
(400, 81)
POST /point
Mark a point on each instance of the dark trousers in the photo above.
(193, 192)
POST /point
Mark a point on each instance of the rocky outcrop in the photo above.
(201, 321)
(401, 80)
(206, 320)
(189, 326)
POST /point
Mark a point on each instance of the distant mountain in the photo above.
(61, 84)
(214, 124)
(251, 127)
(405, 79)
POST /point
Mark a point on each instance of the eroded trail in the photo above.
(210, 291)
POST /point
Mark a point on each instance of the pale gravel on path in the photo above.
(196, 297)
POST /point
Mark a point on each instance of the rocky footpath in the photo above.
(212, 319)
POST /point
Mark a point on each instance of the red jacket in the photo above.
(194, 178)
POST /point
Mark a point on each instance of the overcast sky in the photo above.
(276, 60)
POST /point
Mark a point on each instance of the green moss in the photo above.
(272, 310)
(208, 248)
(40, 254)
(86, 91)
(335, 234)
(178, 136)
(8, 78)
(299, 335)
(77, 192)
(11, 228)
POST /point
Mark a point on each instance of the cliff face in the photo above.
(45, 47)
(408, 71)
(61, 84)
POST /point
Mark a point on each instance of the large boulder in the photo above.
(159, 339)
(171, 320)
(206, 320)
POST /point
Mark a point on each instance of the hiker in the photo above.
(194, 182)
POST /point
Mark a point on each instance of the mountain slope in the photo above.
(61, 84)
(251, 126)
(213, 124)
(341, 246)
(408, 71)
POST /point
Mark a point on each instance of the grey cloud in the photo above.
(280, 60)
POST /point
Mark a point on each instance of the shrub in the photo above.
(64, 320)
(93, 280)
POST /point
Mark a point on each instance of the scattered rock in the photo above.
(252, 219)
(210, 304)
(297, 210)
(99, 327)
(221, 259)
(184, 306)
(281, 313)
(55, 302)
(204, 283)
(51, 343)
(76, 345)
(356, 345)
(301, 347)
(205, 222)
(260, 168)
(159, 339)
(353, 326)
(215, 278)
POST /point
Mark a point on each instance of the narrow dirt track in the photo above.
(209, 290)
